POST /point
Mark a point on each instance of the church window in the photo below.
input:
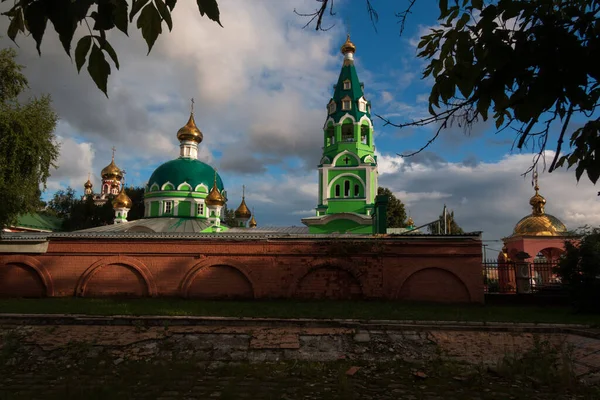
(168, 207)
(200, 209)
(347, 85)
(330, 133)
(347, 133)
(356, 190)
(346, 188)
(331, 107)
(364, 134)
(337, 190)
(346, 104)
(361, 106)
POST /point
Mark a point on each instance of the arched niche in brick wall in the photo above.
(116, 276)
(435, 285)
(328, 282)
(24, 276)
(217, 279)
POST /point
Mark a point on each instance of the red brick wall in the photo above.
(17, 280)
(115, 280)
(220, 282)
(274, 268)
(328, 283)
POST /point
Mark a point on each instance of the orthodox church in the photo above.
(188, 195)
(112, 183)
(181, 247)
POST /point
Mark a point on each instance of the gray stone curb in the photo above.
(384, 325)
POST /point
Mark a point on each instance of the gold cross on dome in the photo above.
(243, 191)
(192, 105)
(113, 152)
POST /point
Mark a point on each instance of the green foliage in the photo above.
(579, 270)
(533, 64)
(228, 216)
(27, 142)
(452, 227)
(83, 214)
(30, 17)
(396, 214)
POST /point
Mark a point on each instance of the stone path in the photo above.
(294, 362)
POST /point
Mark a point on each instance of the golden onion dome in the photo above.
(242, 211)
(214, 198)
(111, 171)
(121, 201)
(348, 46)
(252, 222)
(88, 184)
(539, 223)
(190, 131)
(410, 222)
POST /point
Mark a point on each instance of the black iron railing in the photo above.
(511, 277)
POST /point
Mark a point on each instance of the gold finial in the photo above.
(242, 211)
(214, 198)
(348, 46)
(537, 201)
(122, 200)
(190, 132)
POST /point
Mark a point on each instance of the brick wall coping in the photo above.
(37, 237)
(399, 325)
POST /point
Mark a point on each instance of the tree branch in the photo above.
(560, 139)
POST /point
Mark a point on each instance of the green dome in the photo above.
(183, 170)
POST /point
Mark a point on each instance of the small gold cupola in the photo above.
(252, 222)
(121, 201)
(189, 137)
(348, 46)
(111, 171)
(242, 211)
(214, 198)
(538, 223)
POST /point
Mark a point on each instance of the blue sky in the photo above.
(261, 86)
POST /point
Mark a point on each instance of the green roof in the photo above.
(181, 170)
(39, 222)
(355, 92)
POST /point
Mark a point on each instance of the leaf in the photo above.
(164, 13)
(483, 105)
(104, 17)
(120, 15)
(477, 4)
(210, 8)
(150, 23)
(463, 21)
(35, 19)
(443, 8)
(83, 46)
(104, 45)
(99, 68)
(171, 4)
(136, 7)
(16, 25)
(62, 15)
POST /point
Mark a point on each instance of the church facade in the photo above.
(182, 247)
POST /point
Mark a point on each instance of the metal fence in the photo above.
(511, 277)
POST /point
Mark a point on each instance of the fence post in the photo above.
(522, 273)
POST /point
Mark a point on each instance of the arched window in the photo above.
(356, 190)
(337, 190)
(330, 134)
(364, 134)
(348, 132)
(346, 188)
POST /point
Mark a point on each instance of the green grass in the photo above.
(299, 309)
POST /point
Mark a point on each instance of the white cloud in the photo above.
(73, 165)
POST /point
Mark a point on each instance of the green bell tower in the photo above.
(348, 167)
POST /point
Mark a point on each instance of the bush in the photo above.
(579, 270)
